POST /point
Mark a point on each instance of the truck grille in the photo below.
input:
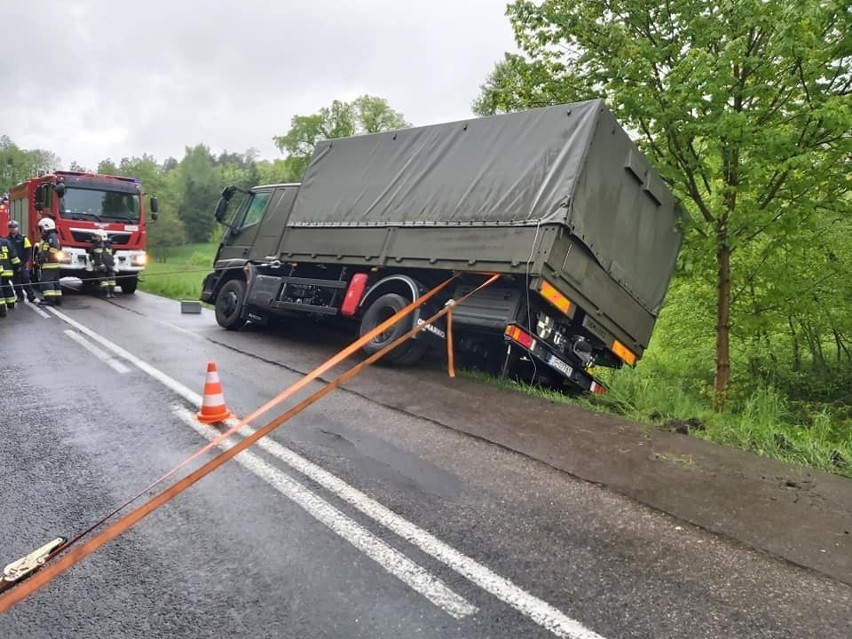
(116, 239)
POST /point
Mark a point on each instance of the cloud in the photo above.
(91, 79)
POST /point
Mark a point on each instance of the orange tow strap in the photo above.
(451, 367)
(80, 552)
(283, 395)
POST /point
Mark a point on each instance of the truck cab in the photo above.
(254, 222)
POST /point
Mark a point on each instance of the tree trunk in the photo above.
(723, 325)
(841, 347)
(797, 360)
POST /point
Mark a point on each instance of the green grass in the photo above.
(178, 272)
(764, 422)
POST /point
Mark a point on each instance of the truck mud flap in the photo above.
(208, 287)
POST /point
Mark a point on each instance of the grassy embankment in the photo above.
(178, 272)
(662, 390)
(763, 421)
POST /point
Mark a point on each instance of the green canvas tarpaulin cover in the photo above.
(571, 165)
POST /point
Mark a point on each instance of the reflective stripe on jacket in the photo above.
(48, 251)
(22, 246)
(9, 262)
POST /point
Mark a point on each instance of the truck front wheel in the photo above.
(129, 284)
(381, 309)
(229, 305)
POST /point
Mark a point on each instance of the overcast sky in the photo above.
(95, 79)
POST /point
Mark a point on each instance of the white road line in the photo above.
(97, 352)
(35, 309)
(389, 558)
(538, 610)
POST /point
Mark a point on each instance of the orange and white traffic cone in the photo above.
(213, 407)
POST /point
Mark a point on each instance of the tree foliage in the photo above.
(200, 189)
(18, 164)
(744, 107)
(365, 114)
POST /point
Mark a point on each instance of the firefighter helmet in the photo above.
(46, 224)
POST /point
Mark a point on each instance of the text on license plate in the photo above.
(559, 365)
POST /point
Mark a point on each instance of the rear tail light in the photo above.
(519, 335)
(597, 389)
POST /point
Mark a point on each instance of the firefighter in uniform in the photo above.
(47, 258)
(9, 264)
(23, 249)
(102, 259)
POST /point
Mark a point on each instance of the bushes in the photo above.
(761, 419)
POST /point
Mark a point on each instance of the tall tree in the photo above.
(18, 164)
(14, 164)
(275, 172)
(365, 114)
(200, 191)
(238, 169)
(167, 231)
(107, 167)
(743, 105)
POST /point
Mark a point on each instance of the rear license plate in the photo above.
(559, 365)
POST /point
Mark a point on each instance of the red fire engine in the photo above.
(80, 203)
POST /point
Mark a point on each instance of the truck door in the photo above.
(272, 227)
(239, 239)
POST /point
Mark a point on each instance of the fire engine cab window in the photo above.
(94, 204)
(255, 210)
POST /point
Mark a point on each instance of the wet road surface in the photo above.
(355, 520)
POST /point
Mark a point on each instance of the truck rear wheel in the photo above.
(229, 305)
(381, 309)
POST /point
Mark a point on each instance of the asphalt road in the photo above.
(355, 520)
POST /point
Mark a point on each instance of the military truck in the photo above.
(558, 201)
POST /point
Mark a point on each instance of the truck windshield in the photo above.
(83, 204)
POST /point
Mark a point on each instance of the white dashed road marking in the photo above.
(97, 352)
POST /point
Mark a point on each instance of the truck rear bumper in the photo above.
(574, 374)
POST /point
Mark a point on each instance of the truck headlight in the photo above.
(140, 259)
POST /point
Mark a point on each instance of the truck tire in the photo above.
(229, 305)
(381, 309)
(90, 286)
(129, 284)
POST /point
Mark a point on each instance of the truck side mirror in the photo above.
(59, 188)
(38, 199)
(154, 204)
(221, 208)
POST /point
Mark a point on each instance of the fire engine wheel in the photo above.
(381, 309)
(229, 305)
(128, 285)
(90, 287)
